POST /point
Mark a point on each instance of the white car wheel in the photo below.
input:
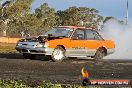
(58, 54)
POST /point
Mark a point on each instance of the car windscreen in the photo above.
(59, 32)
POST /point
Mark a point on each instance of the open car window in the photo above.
(93, 35)
(97, 36)
(78, 35)
(90, 35)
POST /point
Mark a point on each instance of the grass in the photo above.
(21, 84)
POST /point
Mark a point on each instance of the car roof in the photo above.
(73, 27)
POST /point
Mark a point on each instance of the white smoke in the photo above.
(122, 36)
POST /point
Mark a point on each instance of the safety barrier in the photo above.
(8, 40)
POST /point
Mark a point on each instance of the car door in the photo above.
(77, 43)
(92, 42)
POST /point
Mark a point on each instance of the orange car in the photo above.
(67, 41)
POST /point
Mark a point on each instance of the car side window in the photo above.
(89, 35)
(97, 36)
(78, 35)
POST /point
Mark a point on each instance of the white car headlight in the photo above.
(19, 44)
(38, 46)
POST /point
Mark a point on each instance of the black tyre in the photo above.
(100, 53)
(29, 56)
(58, 54)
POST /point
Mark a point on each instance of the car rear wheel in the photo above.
(58, 54)
(29, 56)
(100, 53)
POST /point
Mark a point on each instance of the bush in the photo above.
(21, 84)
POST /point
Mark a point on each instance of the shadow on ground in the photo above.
(19, 56)
(12, 55)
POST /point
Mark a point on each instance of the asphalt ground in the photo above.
(14, 67)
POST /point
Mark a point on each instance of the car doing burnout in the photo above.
(66, 41)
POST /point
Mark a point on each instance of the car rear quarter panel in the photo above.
(92, 44)
(108, 44)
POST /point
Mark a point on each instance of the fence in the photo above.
(8, 40)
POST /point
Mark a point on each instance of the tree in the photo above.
(15, 11)
(46, 15)
(108, 18)
(16, 18)
(74, 16)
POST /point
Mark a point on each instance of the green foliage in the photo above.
(21, 84)
(74, 16)
(46, 15)
(14, 14)
(19, 8)
(16, 17)
(13, 84)
(108, 18)
(49, 85)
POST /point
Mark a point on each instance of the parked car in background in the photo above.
(67, 41)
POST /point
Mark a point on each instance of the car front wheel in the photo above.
(58, 54)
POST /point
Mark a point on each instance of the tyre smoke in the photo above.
(122, 36)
